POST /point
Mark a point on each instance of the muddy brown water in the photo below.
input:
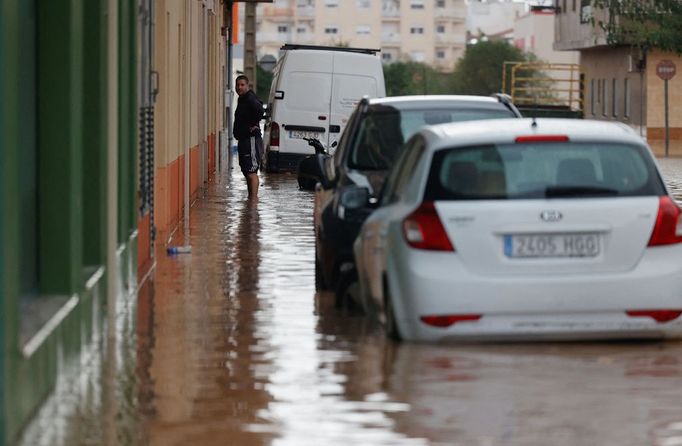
(232, 346)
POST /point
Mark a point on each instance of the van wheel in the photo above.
(390, 324)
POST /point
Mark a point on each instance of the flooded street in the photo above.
(230, 345)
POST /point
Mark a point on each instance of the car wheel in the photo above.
(320, 284)
(348, 282)
(390, 324)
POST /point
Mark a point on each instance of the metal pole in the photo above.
(187, 29)
(228, 77)
(667, 135)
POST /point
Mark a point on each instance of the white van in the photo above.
(314, 90)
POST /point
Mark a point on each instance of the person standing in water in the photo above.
(246, 130)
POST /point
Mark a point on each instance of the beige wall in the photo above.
(534, 33)
(190, 101)
(189, 55)
(656, 98)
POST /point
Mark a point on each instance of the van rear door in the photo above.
(304, 109)
(355, 75)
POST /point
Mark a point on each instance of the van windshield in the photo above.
(384, 130)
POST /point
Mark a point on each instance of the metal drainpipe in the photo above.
(188, 123)
(228, 76)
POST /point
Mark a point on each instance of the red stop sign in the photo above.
(666, 69)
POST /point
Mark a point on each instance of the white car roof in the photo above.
(434, 98)
(505, 131)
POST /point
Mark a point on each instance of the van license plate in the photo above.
(552, 245)
(300, 134)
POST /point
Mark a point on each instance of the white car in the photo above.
(524, 229)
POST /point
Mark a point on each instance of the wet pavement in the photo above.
(230, 345)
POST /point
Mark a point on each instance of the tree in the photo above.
(643, 24)
(479, 72)
(410, 78)
(263, 81)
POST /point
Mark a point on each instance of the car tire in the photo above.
(347, 281)
(390, 324)
(320, 284)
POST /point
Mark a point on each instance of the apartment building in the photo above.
(621, 82)
(430, 31)
(492, 19)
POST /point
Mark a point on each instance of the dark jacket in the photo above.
(248, 114)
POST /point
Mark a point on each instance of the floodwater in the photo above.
(230, 345)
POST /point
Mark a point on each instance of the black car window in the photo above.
(403, 169)
(342, 147)
(384, 129)
(542, 170)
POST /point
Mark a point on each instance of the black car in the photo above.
(371, 142)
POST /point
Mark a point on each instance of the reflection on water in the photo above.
(232, 346)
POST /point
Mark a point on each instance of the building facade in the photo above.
(430, 31)
(621, 83)
(109, 124)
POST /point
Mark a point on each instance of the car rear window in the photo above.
(384, 130)
(542, 170)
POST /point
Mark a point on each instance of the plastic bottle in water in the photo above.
(179, 249)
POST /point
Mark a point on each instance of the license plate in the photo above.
(300, 134)
(552, 245)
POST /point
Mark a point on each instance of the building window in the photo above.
(417, 30)
(417, 56)
(585, 11)
(417, 4)
(440, 54)
(614, 99)
(331, 3)
(386, 57)
(363, 29)
(593, 96)
(604, 97)
(440, 3)
(440, 29)
(363, 4)
(331, 30)
(626, 98)
(301, 30)
(282, 28)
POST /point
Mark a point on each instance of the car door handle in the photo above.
(334, 129)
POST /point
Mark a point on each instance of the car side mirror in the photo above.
(353, 203)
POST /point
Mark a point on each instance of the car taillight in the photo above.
(449, 319)
(541, 138)
(668, 228)
(660, 316)
(423, 229)
(274, 134)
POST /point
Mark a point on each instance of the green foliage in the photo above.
(642, 24)
(263, 81)
(479, 72)
(411, 78)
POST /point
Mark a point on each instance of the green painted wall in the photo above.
(94, 133)
(53, 174)
(60, 144)
(9, 224)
